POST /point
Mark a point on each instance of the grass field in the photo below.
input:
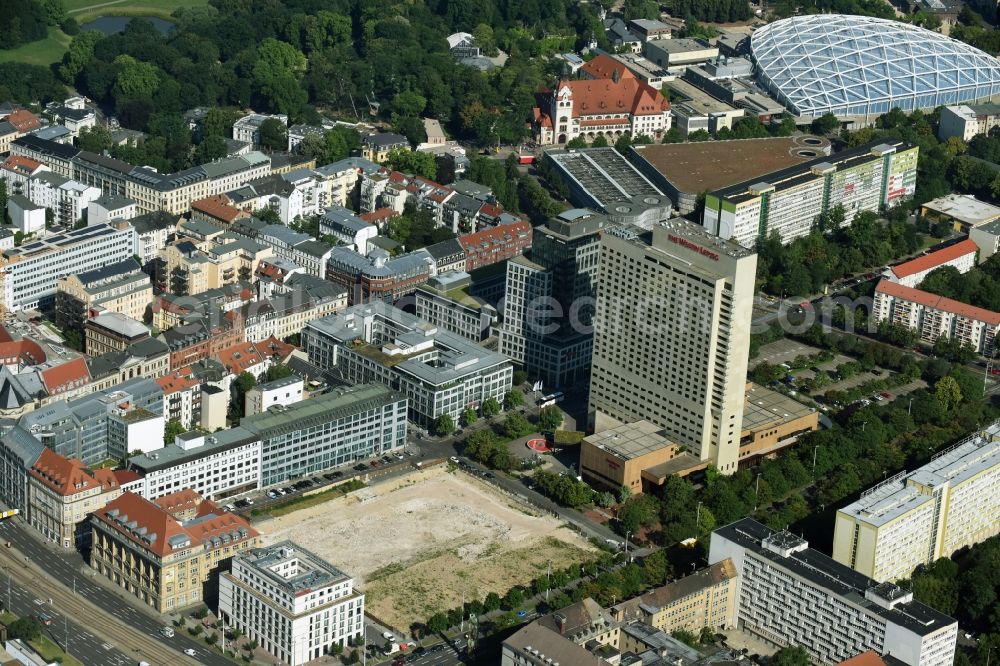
(419, 544)
(88, 10)
(51, 49)
(43, 52)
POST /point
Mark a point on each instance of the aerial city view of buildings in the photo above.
(530, 334)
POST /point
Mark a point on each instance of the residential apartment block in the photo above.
(961, 256)
(549, 301)
(492, 245)
(68, 199)
(63, 492)
(30, 273)
(119, 287)
(378, 277)
(918, 517)
(966, 121)
(192, 268)
(295, 605)
(933, 316)
(789, 594)
(671, 336)
(150, 190)
(165, 557)
(438, 371)
(788, 202)
(706, 598)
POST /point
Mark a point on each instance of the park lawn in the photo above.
(87, 10)
(43, 52)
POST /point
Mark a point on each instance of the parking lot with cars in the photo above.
(267, 496)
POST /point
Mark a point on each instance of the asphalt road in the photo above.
(134, 631)
(85, 646)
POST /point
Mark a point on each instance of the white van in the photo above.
(167, 632)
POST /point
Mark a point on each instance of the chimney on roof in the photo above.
(560, 622)
(616, 75)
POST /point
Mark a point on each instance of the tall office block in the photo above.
(790, 594)
(549, 305)
(672, 336)
(916, 518)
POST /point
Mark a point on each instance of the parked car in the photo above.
(374, 463)
(272, 494)
(454, 459)
(361, 467)
(248, 501)
(338, 474)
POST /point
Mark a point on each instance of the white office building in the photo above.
(789, 594)
(672, 336)
(284, 392)
(30, 273)
(215, 466)
(247, 128)
(916, 518)
(295, 605)
(67, 199)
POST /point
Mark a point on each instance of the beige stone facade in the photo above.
(165, 561)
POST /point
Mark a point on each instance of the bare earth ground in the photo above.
(417, 543)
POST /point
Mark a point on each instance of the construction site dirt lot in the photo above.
(417, 544)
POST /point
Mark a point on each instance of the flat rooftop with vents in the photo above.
(603, 174)
(683, 170)
(292, 568)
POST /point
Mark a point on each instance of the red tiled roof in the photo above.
(5, 335)
(145, 523)
(219, 206)
(24, 120)
(24, 351)
(179, 501)
(159, 525)
(66, 376)
(125, 476)
(934, 259)
(20, 164)
(494, 234)
(605, 96)
(378, 215)
(869, 658)
(929, 300)
(604, 66)
(179, 380)
(245, 355)
(69, 476)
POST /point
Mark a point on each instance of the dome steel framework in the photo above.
(864, 66)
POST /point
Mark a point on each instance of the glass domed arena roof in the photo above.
(861, 66)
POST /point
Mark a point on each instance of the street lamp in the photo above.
(697, 521)
(756, 490)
